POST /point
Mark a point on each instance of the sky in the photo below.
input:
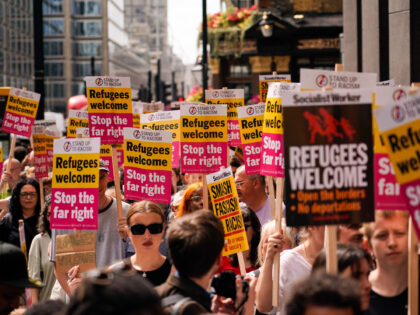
(184, 20)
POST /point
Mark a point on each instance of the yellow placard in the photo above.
(224, 198)
(168, 125)
(231, 103)
(263, 85)
(75, 171)
(136, 120)
(404, 151)
(273, 117)
(39, 141)
(109, 100)
(76, 123)
(214, 129)
(22, 106)
(49, 142)
(250, 128)
(148, 155)
(106, 150)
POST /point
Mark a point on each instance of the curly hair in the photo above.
(15, 206)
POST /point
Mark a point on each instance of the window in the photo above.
(52, 7)
(53, 27)
(87, 49)
(83, 69)
(87, 28)
(53, 48)
(86, 8)
(54, 69)
(54, 89)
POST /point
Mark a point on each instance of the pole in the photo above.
(204, 59)
(38, 39)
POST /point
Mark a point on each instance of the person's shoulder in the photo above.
(125, 206)
(191, 307)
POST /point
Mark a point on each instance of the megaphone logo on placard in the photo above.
(67, 146)
(399, 94)
(136, 134)
(151, 117)
(78, 114)
(216, 94)
(321, 80)
(326, 125)
(193, 110)
(397, 113)
(250, 110)
(99, 81)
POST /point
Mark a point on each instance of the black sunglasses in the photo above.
(140, 229)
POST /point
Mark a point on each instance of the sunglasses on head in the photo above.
(140, 229)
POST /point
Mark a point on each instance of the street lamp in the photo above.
(266, 26)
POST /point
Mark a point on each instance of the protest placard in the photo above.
(1, 157)
(329, 157)
(153, 107)
(120, 154)
(388, 194)
(109, 107)
(272, 159)
(137, 111)
(106, 158)
(40, 151)
(21, 109)
(233, 98)
(203, 138)
(224, 198)
(314, 79)
(251, 124)
(399, 124)
(168, 121)
(82, 133)
(147, 165)
(74, 203)
(266, 79)
(77, 119)
(76, 249)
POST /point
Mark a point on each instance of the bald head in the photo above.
(14, 171)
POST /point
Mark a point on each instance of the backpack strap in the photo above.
(178, 300)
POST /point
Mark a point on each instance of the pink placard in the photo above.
(199, 157)
(411, 192)
(73, 208)
(109, 126)
(108, 163)
(272, 158)
(152, 185)
(234, 136)
(18, 124)
(175, 154)
(388, 195)
(41, 165)
(252, 156)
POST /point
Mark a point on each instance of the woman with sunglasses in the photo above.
(23, 205)
(145, 227)
(192, 200)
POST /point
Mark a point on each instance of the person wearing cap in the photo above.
(110, 246)
(13, 277)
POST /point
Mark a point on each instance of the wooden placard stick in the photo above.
(271, 196)
(205, 193)
(118, 196)
(241, 262)
(413, 262)
(278, 218)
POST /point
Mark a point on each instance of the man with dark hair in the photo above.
(195, 243)
(13, 277)
(350, 234)
(324, 294)
(251, 191)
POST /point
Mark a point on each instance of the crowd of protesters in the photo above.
(161, 258)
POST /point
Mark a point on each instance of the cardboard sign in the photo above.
(74, 203)
(233, 98)
(147, 165)
(224, 197)
(77, 119)
(153, 107)
(329, 157)
(317, 79)
(120, 154)
(20, 112)
(82, 133)
(251, 125)
(168, 121)
(388, 194)
(106, 158)
(76, 249)
(137, 111)
(203, 138)
(109, 107)
(400, 127)
(51, 133)
(40, 151)
(272, 159)
(266, 79)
